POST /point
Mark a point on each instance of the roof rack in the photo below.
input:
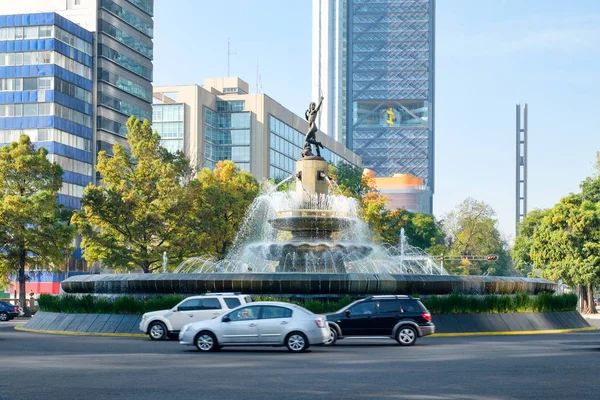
(223, 294)
(390, 296)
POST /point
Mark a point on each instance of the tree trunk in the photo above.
(22, 294)
(587, 300)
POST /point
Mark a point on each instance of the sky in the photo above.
(490, 56)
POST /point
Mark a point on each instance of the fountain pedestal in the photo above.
(312, 173)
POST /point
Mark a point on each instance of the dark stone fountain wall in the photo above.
(303, 284)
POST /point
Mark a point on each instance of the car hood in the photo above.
(161, 313)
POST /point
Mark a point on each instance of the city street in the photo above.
(562, 366)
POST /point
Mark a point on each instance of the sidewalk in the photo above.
(592, 319)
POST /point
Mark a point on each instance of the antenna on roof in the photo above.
(229, 54)
(258, 78)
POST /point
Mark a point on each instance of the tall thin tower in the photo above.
(374, 62)
(521, 166)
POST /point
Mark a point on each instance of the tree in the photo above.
(218, 202)
(33, 227)
(138, 210)
(566, 245)
(471, 230)
(521, 251)
(422, 230)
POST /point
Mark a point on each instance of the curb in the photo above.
(506, 333)
(136, 335)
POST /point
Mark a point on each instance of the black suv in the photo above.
(400, 317)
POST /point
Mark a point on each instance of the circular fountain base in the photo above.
(301, 284)
(310, 257)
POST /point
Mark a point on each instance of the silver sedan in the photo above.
(265, 323)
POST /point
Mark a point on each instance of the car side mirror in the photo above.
(175, 309)
(347, 313)
(226, 319)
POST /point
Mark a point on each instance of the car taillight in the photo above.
(426, 316)
(320, 323)
(16, 309)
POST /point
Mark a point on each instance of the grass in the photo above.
(455, 303)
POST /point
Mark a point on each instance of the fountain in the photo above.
(307, 241)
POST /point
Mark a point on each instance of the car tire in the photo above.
(205, 341)
(4, 316)
(332, 337)
(157, 331)
(406, 335)
(296, 342)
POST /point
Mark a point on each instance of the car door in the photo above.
(388, 315)
(184, 314)
(208, 308)
(240, 326)
(359, 319)
(273, 324)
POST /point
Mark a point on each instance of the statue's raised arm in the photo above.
(311, 137)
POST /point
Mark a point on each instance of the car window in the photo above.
(189, 305)
(410, 306)
(244, 314)
(389, 306)
(232, 302)
(210, 304)
(269, 312)
(363, 308)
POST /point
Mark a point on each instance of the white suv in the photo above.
(161, 324)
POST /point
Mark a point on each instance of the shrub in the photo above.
(455, 303)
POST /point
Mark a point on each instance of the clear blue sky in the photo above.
(490, 55)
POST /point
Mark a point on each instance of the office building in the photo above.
(373, 61)
(98, 56)
(221, 120)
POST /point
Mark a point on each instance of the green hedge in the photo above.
(455, 303)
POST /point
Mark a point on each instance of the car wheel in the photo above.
(206, 341)
(333, 335)
(157, 331)
(3, 316)
(296, 342)
(406, 335)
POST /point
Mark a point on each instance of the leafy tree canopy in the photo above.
(33, 227)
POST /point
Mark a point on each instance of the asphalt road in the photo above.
(46, 367)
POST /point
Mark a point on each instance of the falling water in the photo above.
(259, 247)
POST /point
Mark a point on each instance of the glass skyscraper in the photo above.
(373, 61)
(80, 69)
(46, 65)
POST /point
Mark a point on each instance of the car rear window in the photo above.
(410, 306)
(232, 302)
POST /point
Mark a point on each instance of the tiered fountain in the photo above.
(307, 242)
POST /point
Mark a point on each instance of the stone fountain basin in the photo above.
(274, 250)
(315, 223)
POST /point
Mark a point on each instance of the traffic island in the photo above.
(446, 325)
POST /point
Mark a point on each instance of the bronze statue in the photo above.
(311, 138)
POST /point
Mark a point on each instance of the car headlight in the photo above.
(144, 317)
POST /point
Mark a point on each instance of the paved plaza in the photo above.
(558, 366)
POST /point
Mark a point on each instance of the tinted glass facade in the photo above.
(227, 134)
(168, 121)
(46, 93)
(124, 52)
